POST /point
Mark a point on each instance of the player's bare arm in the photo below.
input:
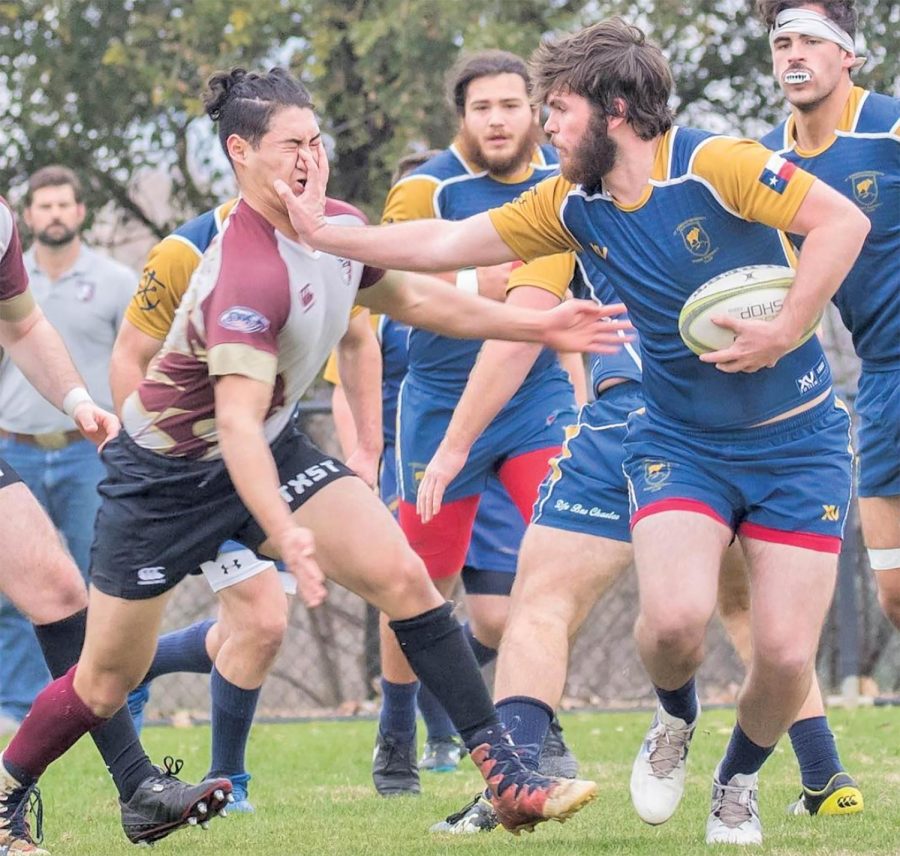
(835, 230)
(39, 352)
(423, 245)
(499, 372)
(131, 355)
(428, 303)
(241, 406)
(359, 367)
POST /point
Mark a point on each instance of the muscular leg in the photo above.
(880, 517)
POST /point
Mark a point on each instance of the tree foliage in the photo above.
(112, 88)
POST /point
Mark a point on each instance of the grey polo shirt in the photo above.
(85, 305)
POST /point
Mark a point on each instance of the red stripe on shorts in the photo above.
(806, 540)
(675, 504)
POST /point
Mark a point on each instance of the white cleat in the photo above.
(657, 776)
(734, 816)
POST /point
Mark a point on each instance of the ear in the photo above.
(620, 110)
(237, 148)
(847, 60)
(82, 212)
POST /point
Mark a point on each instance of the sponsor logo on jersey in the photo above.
(865, 188)
(307, 297)
(696, 239)
(149, 291)
(831, 513)
(656, 474)
(242, 319)
(777, 173)
(813, 378)
(85, 291)
(346, 270)
(602, 252)
(151, 576)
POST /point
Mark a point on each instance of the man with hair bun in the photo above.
(210, 451)
(720, 436)
(849, 138)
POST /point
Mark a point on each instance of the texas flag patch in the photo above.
(777, 173)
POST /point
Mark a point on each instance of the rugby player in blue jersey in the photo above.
(728, 443)
(850, 138)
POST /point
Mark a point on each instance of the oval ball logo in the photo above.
(242, 319)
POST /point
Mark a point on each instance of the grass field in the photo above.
(314, 796)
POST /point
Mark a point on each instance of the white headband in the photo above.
(811, 23)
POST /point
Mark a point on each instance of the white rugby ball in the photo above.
(752, 293)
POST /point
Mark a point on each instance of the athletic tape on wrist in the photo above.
(74, 397)
(467, 280)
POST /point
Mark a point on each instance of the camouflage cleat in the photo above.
(522, 798)
(162, 803)
(840, 796)
(16, 801)
(474, 817)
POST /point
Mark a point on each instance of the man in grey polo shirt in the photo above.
(84, 294)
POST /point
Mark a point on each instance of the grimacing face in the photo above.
(54, 216)
(277, 155)
(498, 127)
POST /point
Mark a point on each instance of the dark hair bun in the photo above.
(219, 89)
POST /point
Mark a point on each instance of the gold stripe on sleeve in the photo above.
(17, 307)
(234, 358)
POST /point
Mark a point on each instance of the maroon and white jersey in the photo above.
(15, 298)
(259, 305)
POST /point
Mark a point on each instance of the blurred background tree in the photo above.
(112, 88)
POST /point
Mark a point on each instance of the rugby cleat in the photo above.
(657, 776)
(522, 798)
(556, 757)
(840, 796)
(16, 802)
(394, 769)
(734, 814)
(163, 803)
(475, 816)
(442, 754)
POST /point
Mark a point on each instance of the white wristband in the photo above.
(467, 280)
(75, 396)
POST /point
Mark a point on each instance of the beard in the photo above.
(499, 164)
(593, 157)
(59, 237)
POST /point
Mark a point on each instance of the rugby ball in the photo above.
(752, 293)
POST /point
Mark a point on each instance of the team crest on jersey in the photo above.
(85, 292)
(656, 474)
(150, 290)
(346, 270)
(307, 297)
(242, 319)
(696, 239)
(865, 188)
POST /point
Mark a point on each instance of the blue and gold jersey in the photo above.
(394, 339)
(713, 204)
(449, 187)
(862, 161)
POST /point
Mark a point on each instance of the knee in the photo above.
(64, 596)
(406, 587)
(679, 632)
(263, 635)
(104, 693)
(783, 661)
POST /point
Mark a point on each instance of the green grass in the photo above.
(314, 796)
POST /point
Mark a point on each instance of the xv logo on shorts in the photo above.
(831, 512)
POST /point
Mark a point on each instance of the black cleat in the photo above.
(557, 758)
(163, 803)
(394, 769)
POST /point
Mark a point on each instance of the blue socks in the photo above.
(816, 752)
(681, 702)
(437, 723)
(232, 716)
(182, 651)
(742, 756)
(398, 710)
(527, 720)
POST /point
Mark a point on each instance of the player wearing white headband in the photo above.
(848, 137)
